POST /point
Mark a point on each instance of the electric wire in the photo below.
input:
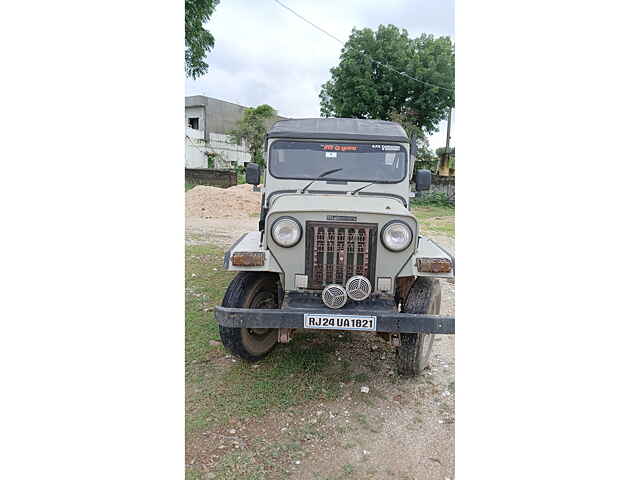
(382, 64)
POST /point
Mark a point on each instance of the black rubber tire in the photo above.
(413, 353)
(251, 290)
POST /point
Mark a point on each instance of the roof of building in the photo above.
(339, 129)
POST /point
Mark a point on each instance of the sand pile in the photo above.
(213, 202)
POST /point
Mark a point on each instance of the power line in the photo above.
(404, 74)
(309, 22)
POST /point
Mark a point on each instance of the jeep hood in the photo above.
(309, 202)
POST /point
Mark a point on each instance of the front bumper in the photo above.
(292, 316)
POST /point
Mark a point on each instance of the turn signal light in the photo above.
(247, 259)
(433, 265)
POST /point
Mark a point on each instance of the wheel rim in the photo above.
(258, 341)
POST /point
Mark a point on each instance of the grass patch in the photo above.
(192, 475)
(206, 282)
(348, 469)
(439, 199)
(188, 186)
(436, 219)
(217, 389)
(236, 466)
(361, 378)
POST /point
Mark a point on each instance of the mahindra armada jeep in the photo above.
(337, 247)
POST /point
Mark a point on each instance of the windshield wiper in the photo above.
(361, 188)
(328, 172)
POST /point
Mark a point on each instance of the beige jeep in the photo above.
(337, 247)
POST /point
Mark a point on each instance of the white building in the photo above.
(207, 121)
(226, 154)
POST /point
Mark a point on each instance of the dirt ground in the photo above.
(399, 429)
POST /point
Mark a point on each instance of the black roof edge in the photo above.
(338, 129)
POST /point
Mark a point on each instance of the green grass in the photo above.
(348, 469)
(217, 389)
(188, 186)
(238, 465)
(206, 281)
(435, 219)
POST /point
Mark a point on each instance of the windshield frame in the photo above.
(283, 140)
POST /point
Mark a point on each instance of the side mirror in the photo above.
(252, 173)
(423, 180)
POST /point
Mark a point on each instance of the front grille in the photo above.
(338, 251)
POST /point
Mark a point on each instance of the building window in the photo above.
(194, 122)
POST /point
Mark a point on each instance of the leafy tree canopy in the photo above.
(252, 128)
(425, 158)
(197, 40)
(361, 87)
(443, 150)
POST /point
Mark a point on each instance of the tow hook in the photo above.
(285, 335)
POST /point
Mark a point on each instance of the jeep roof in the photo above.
(339, 129)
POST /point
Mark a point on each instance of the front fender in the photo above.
(427, 248)
(250, 243)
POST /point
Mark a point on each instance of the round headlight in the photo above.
(396, 236)
(286, 232)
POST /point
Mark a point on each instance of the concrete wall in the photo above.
(215, 119)
(195, 112)
(195, 149)
(229, 154)
(219, 116)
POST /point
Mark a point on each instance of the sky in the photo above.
(265, 54)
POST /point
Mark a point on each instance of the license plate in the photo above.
(339, 322)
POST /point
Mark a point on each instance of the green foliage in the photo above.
(406, 120)
(252, 128)
(211, 159)
(452, 155)
(436, 199)
(197, 40)
(241, 174)
(361, 87)
(425, 158)
(443, 150)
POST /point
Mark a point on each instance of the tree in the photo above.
(197, 40)
(408, 123)
(362, 87)
(425, 158)
(252, 128)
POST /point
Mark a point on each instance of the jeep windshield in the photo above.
(354, 162)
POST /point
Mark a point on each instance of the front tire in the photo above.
(251, 290)
(413, 353)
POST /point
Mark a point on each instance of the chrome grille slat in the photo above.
(365, 253)
(324, 255)
(335, 253)
(355, 245)
(345, 255)
(338, 251)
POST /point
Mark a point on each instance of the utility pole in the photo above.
(448, 133)
(446, 147)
